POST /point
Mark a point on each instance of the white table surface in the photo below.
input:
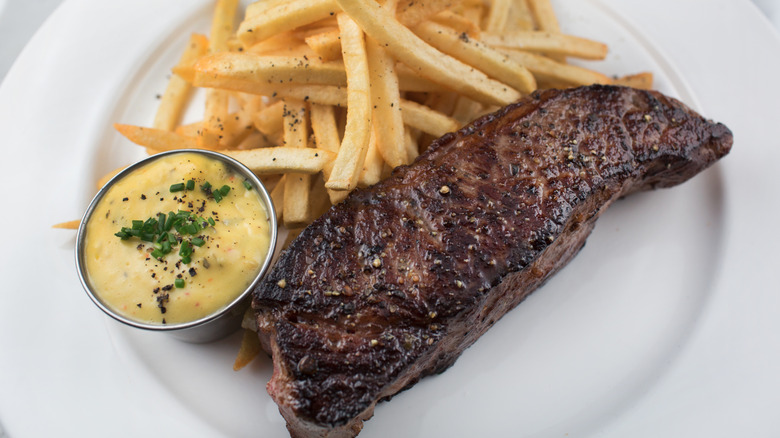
(20, 19)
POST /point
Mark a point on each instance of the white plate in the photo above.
(665, 324)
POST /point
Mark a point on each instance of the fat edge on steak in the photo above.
(395, 282)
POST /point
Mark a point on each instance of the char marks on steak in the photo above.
(395, 282)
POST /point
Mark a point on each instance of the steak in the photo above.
(396, 281)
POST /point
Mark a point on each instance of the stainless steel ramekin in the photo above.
(212, 327)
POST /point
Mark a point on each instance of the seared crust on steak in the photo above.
(396, 281)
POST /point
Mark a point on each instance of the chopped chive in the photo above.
(197, 241)
(122, 235)
(137, 225)
(157, 254)
(206, 187)
(247, 185)
(190, 185)
(211, 221)
(224, 190)
(217, 195)
(179, 283)
(186, 260)
(177, 187)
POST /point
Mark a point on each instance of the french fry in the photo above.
(408, 48)
(465, 110)
(277, 197)
(69, 225)
(373, 164)
(498, 15)
(323, 124)
(547, 42)
(270, 70)
(544, 15)
(222, 25)
(354, 145)
(545, 19)
(269, 119)
(386, 100)
(285, 41)
(282, 17)
(427, 120)
(520, 15)
(217, 101)
(548, 69)
(475, 53)
(413, 13)
(642, 81)
(408, 80)
(178, 90)
(282, 159)
(250, 348)
(327, 44)
(297, 208)
(410, 142)
(157, 139)
(457, 22)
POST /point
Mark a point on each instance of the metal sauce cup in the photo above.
(216, 325)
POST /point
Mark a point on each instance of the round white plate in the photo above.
(664, 325)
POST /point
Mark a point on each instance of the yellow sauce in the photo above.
(133, 283)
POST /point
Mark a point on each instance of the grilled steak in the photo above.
(395, 282)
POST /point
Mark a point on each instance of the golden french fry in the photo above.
(285, 41)
(427, 120)
(547, 42)
(413, 13)
(157, 139)
(262, 6)
(222, 25)
(498, 15)
(410, 142)
(547, 69)
(190, 129)
(269, 70)
(178, 90)
(386, 100)
(545, 19)
(458, 22)
(354, 145)
(478, 55)
(326, 44)
(69, 225)
(520, 16)
(250, 348)
(408, 80)
(282, 159)
(269, 119)
(217, 101)
(255, 140)
(323, 124)
(642, 80)
(465, 110)
(373, 164)
(282, 17)
(277, 197)
(408, 48)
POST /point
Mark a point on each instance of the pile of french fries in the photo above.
(319, 97)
